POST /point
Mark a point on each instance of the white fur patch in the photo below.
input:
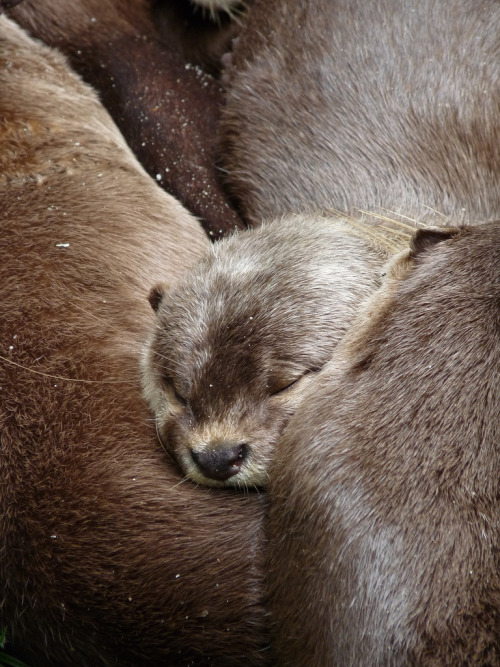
(215, 5)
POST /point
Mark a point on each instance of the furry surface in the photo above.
(384, 493)
(383, 535)
(106, 556)
(228, 6)
(166, 107)
(235, 344)
(201, 35)
(387, 104)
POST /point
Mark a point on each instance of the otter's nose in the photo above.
(221, 462)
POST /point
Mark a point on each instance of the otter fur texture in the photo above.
(106, 558)
(386, 105)
(384, 535)
(137, 54)
(228, 6)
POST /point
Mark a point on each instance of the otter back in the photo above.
(348, 103)
(106, 558)
(384, 520)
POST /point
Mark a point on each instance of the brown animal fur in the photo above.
(8, 4)
(384, 526)
(166, 108)
(236, 342)
(106, 558)
(384, 496)
(387, 104)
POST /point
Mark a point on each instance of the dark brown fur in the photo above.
(8, 4)
(385, 512)
(345, 104)
(166, 107)
(106, 558)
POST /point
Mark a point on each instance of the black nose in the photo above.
(221, 462)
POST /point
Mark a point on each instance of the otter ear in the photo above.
(425, 239)
(156, 295)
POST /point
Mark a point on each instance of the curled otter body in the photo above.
(387, 105)
(238, 340)
(384, 533)
(105, 558)
(166, 107)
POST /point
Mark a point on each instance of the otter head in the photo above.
(239, 339)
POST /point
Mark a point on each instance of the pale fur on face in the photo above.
(237, 342)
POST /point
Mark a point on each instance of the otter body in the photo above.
(386, 105)
(384, 534)
(105, 558)
(238, 340)
(137, 55)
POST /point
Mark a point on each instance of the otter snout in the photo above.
(222, 461)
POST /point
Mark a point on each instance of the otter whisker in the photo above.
(61, 377)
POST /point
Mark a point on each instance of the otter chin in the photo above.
(238, 340)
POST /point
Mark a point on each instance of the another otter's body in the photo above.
(386, 105)
(166, 107)
(106, 559)
(384, 533)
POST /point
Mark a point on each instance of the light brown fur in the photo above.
(106, 557)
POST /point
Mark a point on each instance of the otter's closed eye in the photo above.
(169, 383)
(179, 397)
(283, 384)
(284, 387)
(279, 387)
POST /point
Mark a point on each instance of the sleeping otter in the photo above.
(236, 343)
(106, 558)
(384, 532)
(309, 128)
(386, 105)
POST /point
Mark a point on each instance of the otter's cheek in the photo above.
(166, 426)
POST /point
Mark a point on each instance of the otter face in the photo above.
(222, 403)
(238, 341)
